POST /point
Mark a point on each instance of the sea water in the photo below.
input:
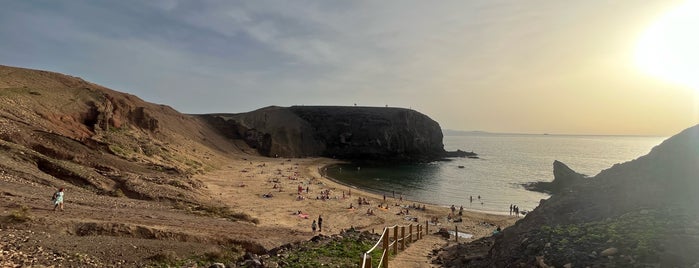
(494, 180)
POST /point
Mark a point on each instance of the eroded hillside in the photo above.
(90, 136)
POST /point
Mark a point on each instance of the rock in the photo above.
(361, 133)
(609, 252)
(540, 262)
(593, 254)
(568, 265)
(563, 178)
(217, 265)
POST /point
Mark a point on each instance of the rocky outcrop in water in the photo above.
(563, 178)
(356, 133)
(640, 213)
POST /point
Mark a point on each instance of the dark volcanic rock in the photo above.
(645, 209)
(563, 178)
(356, 133)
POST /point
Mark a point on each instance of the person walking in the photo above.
(313, 226)
(58, 199)
(320, 223)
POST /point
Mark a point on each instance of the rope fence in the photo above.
(394, 243)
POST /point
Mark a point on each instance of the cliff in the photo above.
(641, 213)
(57, 128)
(356, 133)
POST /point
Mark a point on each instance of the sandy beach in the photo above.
(242, 183)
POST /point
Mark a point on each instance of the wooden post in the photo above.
(419, 232)
(367, 261)
(384, 259)
(427, 227)
(395, 240)
(410, 231)
(402, 235)
(456, 232)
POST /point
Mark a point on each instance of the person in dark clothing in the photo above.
(320, 223)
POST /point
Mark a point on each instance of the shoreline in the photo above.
(323, 174)
(242, 191)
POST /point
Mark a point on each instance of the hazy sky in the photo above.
(539, 66)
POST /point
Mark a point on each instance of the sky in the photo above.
(539, 66)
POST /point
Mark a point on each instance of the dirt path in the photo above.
(417, 255)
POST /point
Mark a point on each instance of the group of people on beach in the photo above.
(318, 224)
(514, 209)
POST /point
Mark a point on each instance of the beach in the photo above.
(242, 183)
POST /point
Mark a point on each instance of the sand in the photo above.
(242, 183)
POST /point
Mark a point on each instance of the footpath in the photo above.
(417, 255)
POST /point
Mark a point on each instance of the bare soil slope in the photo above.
(147, 185)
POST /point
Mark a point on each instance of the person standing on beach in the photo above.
(58, 199)
(461, 210)
(313, 226)
(320, 223)
(452, 209)
(510, 209)
(470, 198)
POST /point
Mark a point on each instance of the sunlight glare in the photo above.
(669, 49)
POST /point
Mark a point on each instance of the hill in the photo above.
(351, 133)
(147, 185)
(97, 138)
(641, 213)
(130, 171)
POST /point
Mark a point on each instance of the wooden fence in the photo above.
(399, 241)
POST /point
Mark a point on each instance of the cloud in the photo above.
(492, 56)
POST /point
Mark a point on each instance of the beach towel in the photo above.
(303, 216)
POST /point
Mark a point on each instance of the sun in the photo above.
(669, 49)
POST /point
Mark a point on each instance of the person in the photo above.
(510, 209)
(461, 210)
(313, 226)
(320, 223)
(58, 199)
(470, 198)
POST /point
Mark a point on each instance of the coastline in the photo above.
(323, 174)
(241, 184)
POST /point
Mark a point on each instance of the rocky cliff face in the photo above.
(642, 213)
(367, 133)
(59, 128)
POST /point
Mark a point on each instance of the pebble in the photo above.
(609, 252)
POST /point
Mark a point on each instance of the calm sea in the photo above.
(506, 162)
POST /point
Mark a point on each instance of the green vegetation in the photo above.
(342, 251)
(170, 258)
(20, 215)
(637, 234)
(217, 211)
(118, 193)
(117, 150)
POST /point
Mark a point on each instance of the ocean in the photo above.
(506, 161)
